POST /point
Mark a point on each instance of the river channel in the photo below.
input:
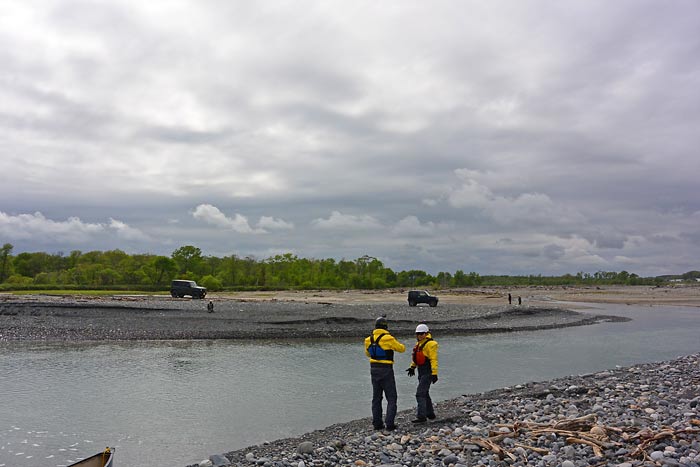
(173, 403)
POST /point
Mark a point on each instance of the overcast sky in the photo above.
(501, 137)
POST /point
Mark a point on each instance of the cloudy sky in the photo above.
(502, 137)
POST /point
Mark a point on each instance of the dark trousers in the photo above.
(425, 403)
(383, 382)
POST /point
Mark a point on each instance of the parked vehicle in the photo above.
(180, 288)
(101, 459)
(421, 296)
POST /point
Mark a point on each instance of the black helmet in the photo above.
(381, 323)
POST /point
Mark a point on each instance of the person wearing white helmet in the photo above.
(380, 347)
(425, 358)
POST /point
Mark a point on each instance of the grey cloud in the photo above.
(554, 251)
(550, 138)
(180, 135)
(609, 241)
(693, 237)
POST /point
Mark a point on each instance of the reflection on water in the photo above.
(174, 403)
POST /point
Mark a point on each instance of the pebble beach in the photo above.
(643, 415)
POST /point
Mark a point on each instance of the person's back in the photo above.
(379, 348)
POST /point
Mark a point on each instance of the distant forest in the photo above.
(117, 270)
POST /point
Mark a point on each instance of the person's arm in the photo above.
(392, 344)
(432, 354)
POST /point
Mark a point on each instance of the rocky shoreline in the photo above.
(626, 417)
(65, 318)
(643, 415)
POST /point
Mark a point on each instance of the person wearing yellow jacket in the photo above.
(380, 347)
(425, 358)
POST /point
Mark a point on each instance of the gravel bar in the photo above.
(66, 318)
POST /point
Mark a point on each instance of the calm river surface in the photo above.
(165, 404)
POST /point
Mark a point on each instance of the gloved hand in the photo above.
(411, 371)
(433, 378)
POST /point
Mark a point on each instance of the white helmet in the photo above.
(422, 328)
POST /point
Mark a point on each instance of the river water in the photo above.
(165, 404)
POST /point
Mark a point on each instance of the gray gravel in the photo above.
(50, 318)
(644, 415)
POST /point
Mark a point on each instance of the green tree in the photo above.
(30, 264)
(108, 276)
(211, 283)
(188, 258)
(42, 278)
(444, 279)
(5, 261)
(19, 280)
(129, 268)
(230, 270)
(159, 270)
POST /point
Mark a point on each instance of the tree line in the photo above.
(115, 269)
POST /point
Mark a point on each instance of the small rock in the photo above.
(451, 459)
(219, 460)
(305, 448)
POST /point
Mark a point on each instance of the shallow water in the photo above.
(175, 403)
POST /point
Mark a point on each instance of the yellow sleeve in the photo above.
(393, 344)
(431, 351)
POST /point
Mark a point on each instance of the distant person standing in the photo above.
(425, 358)
(380, 347)
(210, 307)
(520, 301)
(510, 299)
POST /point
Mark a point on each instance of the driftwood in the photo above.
(596, 448)
(532, 448)
(584, 423)
(651, 437)
(493, 447)
(581, 430)
(569, 428)
(588, 437)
